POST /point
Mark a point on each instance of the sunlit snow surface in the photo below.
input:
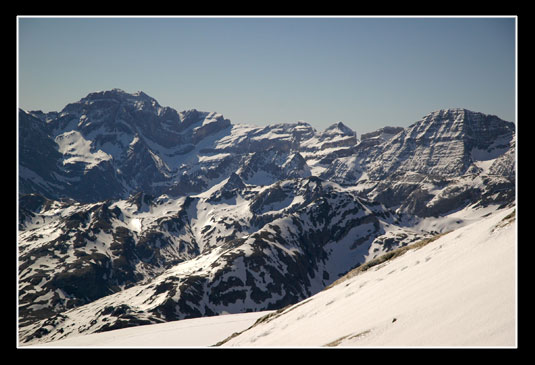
(457, 291)
(196, 332)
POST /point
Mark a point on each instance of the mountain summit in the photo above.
(444, 143)
(339, 128)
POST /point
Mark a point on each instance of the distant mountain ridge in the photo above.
(133, 213)
(111, 144)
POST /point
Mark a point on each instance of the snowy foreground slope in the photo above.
(194, 332)
(456, 291)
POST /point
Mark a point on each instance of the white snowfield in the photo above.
(195, 332)
(457, 291)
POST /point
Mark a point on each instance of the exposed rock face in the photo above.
(111, 144)
(443, 143)
(382, 134)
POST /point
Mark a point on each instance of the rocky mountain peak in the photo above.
(234, 182)
(383, 134)
(448, 113)
(466, 118)
(118, 94)
(443, 143)
(115, 99)
(339, 128)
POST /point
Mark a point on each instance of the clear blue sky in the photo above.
(365, 72)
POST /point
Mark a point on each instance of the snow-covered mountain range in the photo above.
(455, 290)
(131, 213)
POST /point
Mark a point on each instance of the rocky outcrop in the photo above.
(382, 134)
